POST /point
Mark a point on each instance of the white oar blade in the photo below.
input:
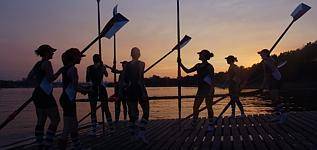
(183, 42)
(300, 10)
(114, 25)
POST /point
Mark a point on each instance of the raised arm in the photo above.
(193, 69)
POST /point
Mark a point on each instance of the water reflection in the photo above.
(24, 123)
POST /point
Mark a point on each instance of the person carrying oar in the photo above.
(94, 76)
(44, 101)
(136, 93)
(70, 58)
(205, 74)
(272, 80)
(234, 81)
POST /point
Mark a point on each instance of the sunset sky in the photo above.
(238, 27)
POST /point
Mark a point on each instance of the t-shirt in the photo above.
(234, 74)
(204, 70)
(95, 74)
(270, 69)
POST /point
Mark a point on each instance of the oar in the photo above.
(15, 113)
(300, 10)
(183, 42)
(228, 105)
(200, 110)
(218, 100)
(113, 26)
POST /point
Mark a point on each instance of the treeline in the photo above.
(300, 71)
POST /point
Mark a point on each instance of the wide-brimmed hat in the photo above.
(206, 53)
(44, 49)
(231, 57)
(264, 51)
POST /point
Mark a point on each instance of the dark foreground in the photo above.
(252, 132)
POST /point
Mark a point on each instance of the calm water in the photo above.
(24, 123)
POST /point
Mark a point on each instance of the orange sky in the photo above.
(238, 27)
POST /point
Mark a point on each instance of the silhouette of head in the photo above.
(205, 55)
(231, 59)
(45, 51)
(72, 56)
(123, 63)
(135, 53)
(96, 58)
(264, 53)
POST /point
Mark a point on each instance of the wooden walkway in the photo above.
(254, 132)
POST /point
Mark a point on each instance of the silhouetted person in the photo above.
(45, 104)
(234, 80)
(205, 74)
(70, 58)
(121, 90)
(136, 92)
(94, 75)
(272, 79)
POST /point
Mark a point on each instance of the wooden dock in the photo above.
(254, 132)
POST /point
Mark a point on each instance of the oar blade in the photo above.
(114, 25)
(300, 10)
(183, 42)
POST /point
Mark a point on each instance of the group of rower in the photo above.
(130, 91)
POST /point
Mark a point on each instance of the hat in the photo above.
(74, 52)
(43, 49)
(206, 53)
(123, 62)
(231, 57)
(69, 55)
(264, 51)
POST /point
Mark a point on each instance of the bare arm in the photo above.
(142, 70)
(190, 70)
(88, 79)
(184, 68)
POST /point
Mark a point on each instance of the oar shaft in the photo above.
(82, 119)
(15, 113)
(158, 61)
(279, 39)
(90, 44)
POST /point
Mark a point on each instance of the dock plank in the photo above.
(254, 132)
